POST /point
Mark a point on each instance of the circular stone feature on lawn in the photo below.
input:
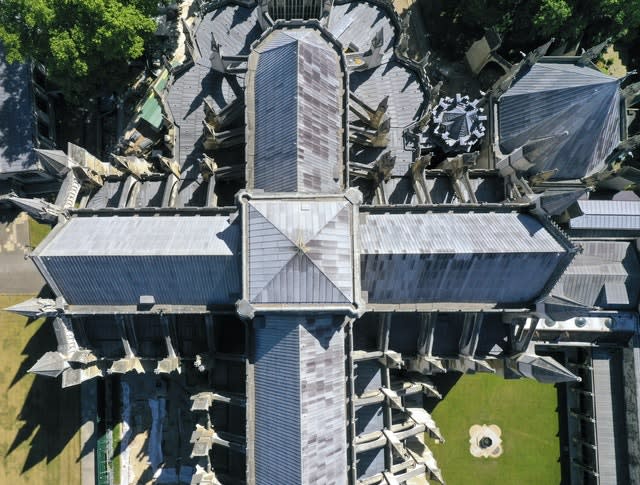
(485, 441)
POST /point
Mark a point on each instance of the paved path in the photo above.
(17, 274)
(88, 399)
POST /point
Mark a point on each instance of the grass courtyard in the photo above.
(39, 437)
(37, 232)
(525, 411)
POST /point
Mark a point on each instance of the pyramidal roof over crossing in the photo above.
(299, 251)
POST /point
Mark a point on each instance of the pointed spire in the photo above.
(536, 54)
(35, 308)
(592, 54)
(55, 161)
(555, 203)
(542, 368)
(560, 308)
(503, 84)
(39, 209)
(51, 364)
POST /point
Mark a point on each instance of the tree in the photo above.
(526, 24)
(86, 45)
(552, 16)
(589, 20)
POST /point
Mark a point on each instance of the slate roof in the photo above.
(115, 260)
(300, 251)
(606, 274)
(295, 97)
(235, 28)
(406, 100)
(576, 107)
(357, 23)
(17, 128)
(300, 383)
(504, 258)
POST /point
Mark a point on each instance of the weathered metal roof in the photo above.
(606, 274)
(611, 440)
(618, 215)
(457, 233)
(16, 118)
(457, 257)
(295, 97)
(300, 251)
(115, 260)
(577, 107)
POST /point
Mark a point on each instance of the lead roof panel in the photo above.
(600, 274)
(607, 214)
(455, 233)
(144, 236)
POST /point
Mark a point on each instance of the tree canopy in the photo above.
(85, 45)
(524, 24)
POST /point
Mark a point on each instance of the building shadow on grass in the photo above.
(50, 416)
(444, 383)
(42, 341)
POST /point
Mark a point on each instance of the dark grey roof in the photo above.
(115, 260)
(457, 123)
(606, 274)
(555, 202)
(108, 195)
(617, 215)
(295, 98)
(150, 193)
(406, 100)
(277, 400)
(235, 28)
(578, 107)
(17, 128)
(505, 258)
(299, 401)
(357, 23)
(186, 101)
(300, 251)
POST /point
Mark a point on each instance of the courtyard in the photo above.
(526, 413)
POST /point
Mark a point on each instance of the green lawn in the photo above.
(39, 437)
(525, 411)
(37, 232)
